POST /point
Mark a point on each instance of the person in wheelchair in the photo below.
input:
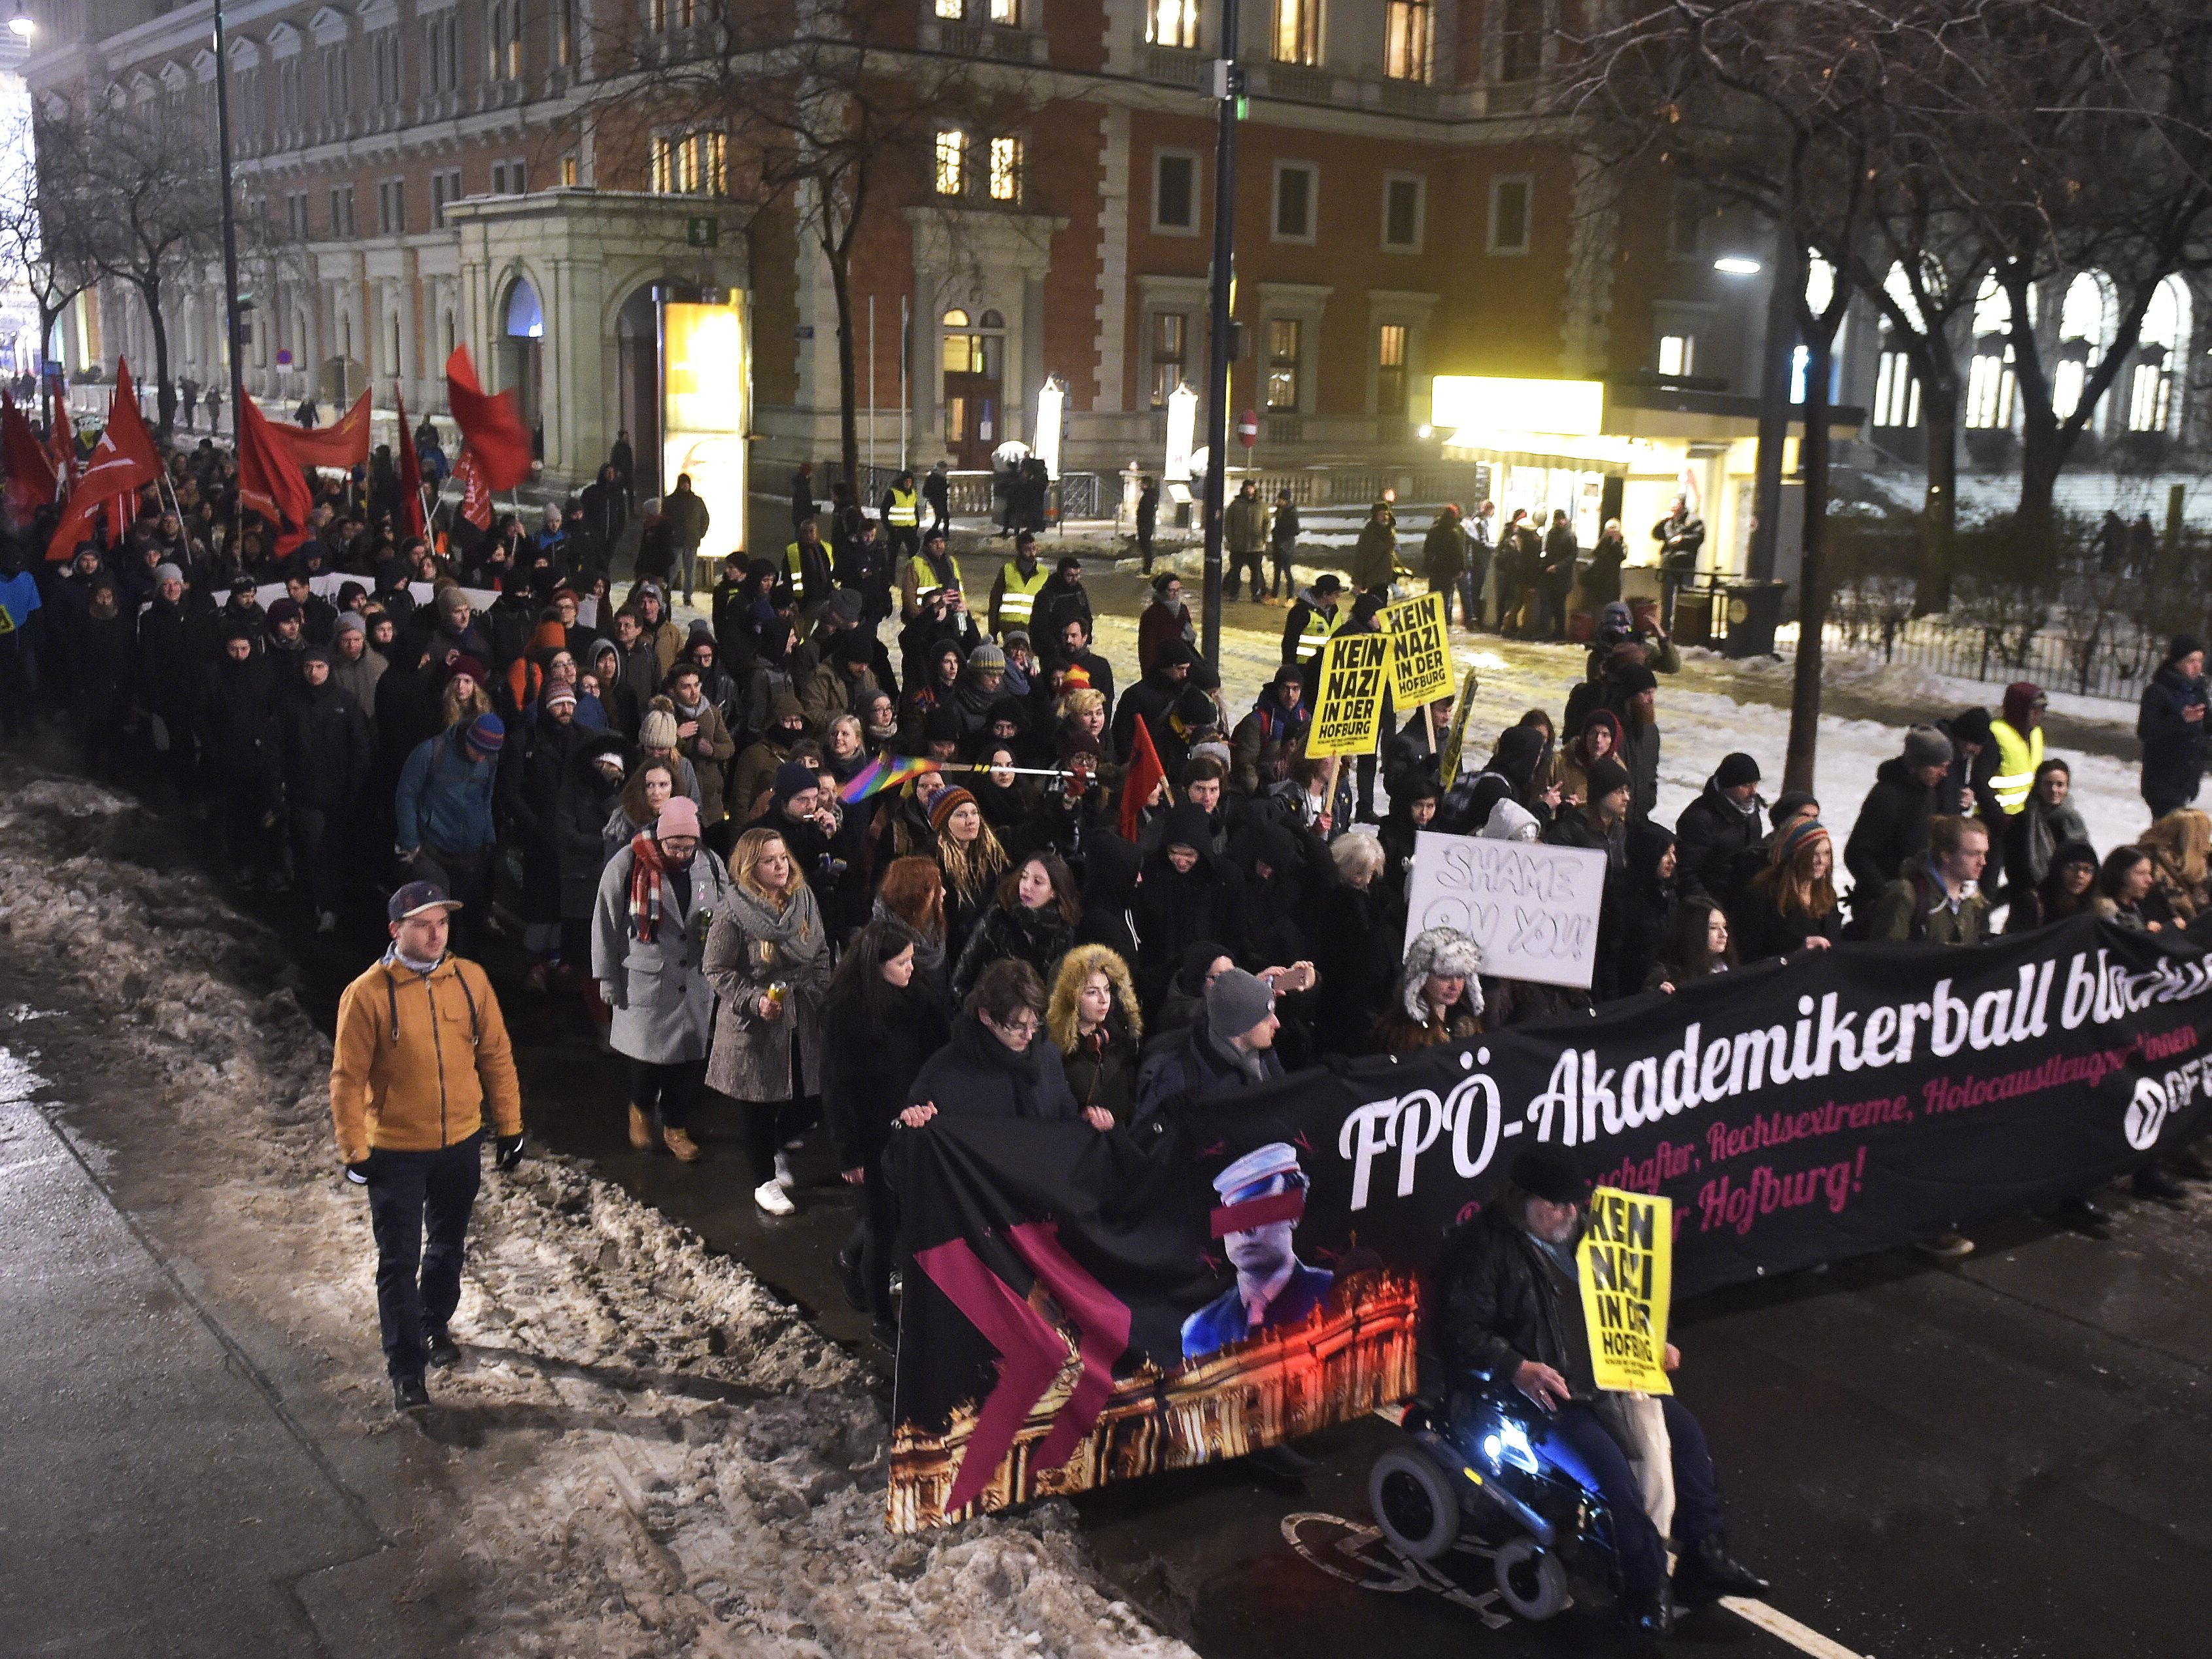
(1511, 1314)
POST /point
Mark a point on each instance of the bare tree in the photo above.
(140, 188)
(51, 261)
(831, 115)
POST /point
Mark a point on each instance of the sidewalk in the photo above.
(156, 1498)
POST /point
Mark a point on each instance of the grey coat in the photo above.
(663, 1011)
(752, 1056)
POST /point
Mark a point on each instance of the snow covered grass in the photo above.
(647, 1453)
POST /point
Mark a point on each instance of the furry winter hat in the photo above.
(1447, 953)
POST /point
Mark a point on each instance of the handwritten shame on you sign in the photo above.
(1533, 909)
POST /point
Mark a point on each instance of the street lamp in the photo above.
(1734, 265)
(20, 24)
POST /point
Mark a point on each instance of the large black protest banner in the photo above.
(1084, 1308)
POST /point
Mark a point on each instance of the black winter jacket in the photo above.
(238, 720)
(2172, 746)
(1891, 830)
(976, 1075)
(1188, 1066)
(326, 752)
(871, 1056)
(1711, 836)
(1503, 1301)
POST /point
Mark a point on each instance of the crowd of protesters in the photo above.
(679, 823)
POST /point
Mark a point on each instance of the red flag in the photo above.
(1137, 783)
(489, 424)
(410, 473)
(124, 460)
(476, 490)
(341, 447)
(29, 474)
(270, 481)
(61, 444)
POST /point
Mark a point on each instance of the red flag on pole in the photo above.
(124, 460)
(29, 474)
(270, 481)
(489, 424)
(61, 445)
(341, 447)
(411, 472)
(475, 488)
(1143, 776)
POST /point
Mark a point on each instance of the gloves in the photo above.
(508, 1153)
(357, 1174)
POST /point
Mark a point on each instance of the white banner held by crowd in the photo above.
(1532, 909)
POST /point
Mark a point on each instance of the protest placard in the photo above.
(1448, 770)
(1420, 651)
(1627, 1261)
(1532, 909)
(1348, 712)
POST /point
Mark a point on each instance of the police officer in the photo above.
(1014, 594)
(420, 1056)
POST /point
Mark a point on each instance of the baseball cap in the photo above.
(417, 898)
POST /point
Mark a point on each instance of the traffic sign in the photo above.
(702, 230)
(1247, 427)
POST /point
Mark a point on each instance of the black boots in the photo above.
(1707, 1573)
(438, 1347)
(1649, 1613)
(409, 1395)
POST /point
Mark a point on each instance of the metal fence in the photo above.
(2116, 663)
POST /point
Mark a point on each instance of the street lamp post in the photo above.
(236, 332)
(1228, 90)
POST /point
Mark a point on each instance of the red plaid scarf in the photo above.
(646, 873)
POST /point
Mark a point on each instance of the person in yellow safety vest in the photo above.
(1013, 596)
(931, 567)
(1316, 615)
(902, 513)
(806, 570)
(2018, 732)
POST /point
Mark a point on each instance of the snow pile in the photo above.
(646, 1452)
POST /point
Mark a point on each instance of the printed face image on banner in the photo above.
(1083, 1308)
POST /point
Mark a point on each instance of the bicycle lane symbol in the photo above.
(1362, 1558)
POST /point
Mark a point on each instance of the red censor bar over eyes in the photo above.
(1259, 1213)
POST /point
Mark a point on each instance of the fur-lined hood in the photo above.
(1442, 950)
(1076, 969)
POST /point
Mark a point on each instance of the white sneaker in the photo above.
(774, 1200)
(784, 1178)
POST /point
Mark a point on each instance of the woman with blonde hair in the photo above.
(2179, 845)
(768, 958)
(1084, 709)
(1791, 904)
(463, 701)
(1092, 1015)
(971, 858)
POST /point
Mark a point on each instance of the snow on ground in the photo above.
(649, 1454)
(1697, 726)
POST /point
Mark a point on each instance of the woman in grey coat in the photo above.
(768, 958)
(657, 898)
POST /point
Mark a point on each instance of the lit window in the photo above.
(1006, 14)
(1676, 353)
(1408, 30)
(1390, 369)
(1172, 23)
(1896, 391)
(1005, 169)
(1989, 388)
(951, 10)
(1298, 32)
(2151, 382)
(951, 161)
(1284, 336)
(1171, 331)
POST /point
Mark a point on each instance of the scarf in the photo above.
(647, 876)
(795, 932)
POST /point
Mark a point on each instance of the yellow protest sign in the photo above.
(1348, 709)
(1627, 1263)
(1420, 650)
(1448, 772)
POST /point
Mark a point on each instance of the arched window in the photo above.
(975, 348)
(1819, 290)
(2084, 333)
(525, 319)
(1989, 376)
(2151, 400)
(1896, 388)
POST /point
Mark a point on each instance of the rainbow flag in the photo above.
(886, 772)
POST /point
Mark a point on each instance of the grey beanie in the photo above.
(1236, 1002)
(988, 655)
(166, 572)
(348, 621)
(1926, 746)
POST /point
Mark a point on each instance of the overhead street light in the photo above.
(1734, 265)
(21, 24)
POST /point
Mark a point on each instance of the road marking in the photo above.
(1777, 1622)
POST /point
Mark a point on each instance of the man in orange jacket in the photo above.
(420, 1059)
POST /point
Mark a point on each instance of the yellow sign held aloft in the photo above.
(1355, 671)
(1420, 651)
(1626, 1259)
